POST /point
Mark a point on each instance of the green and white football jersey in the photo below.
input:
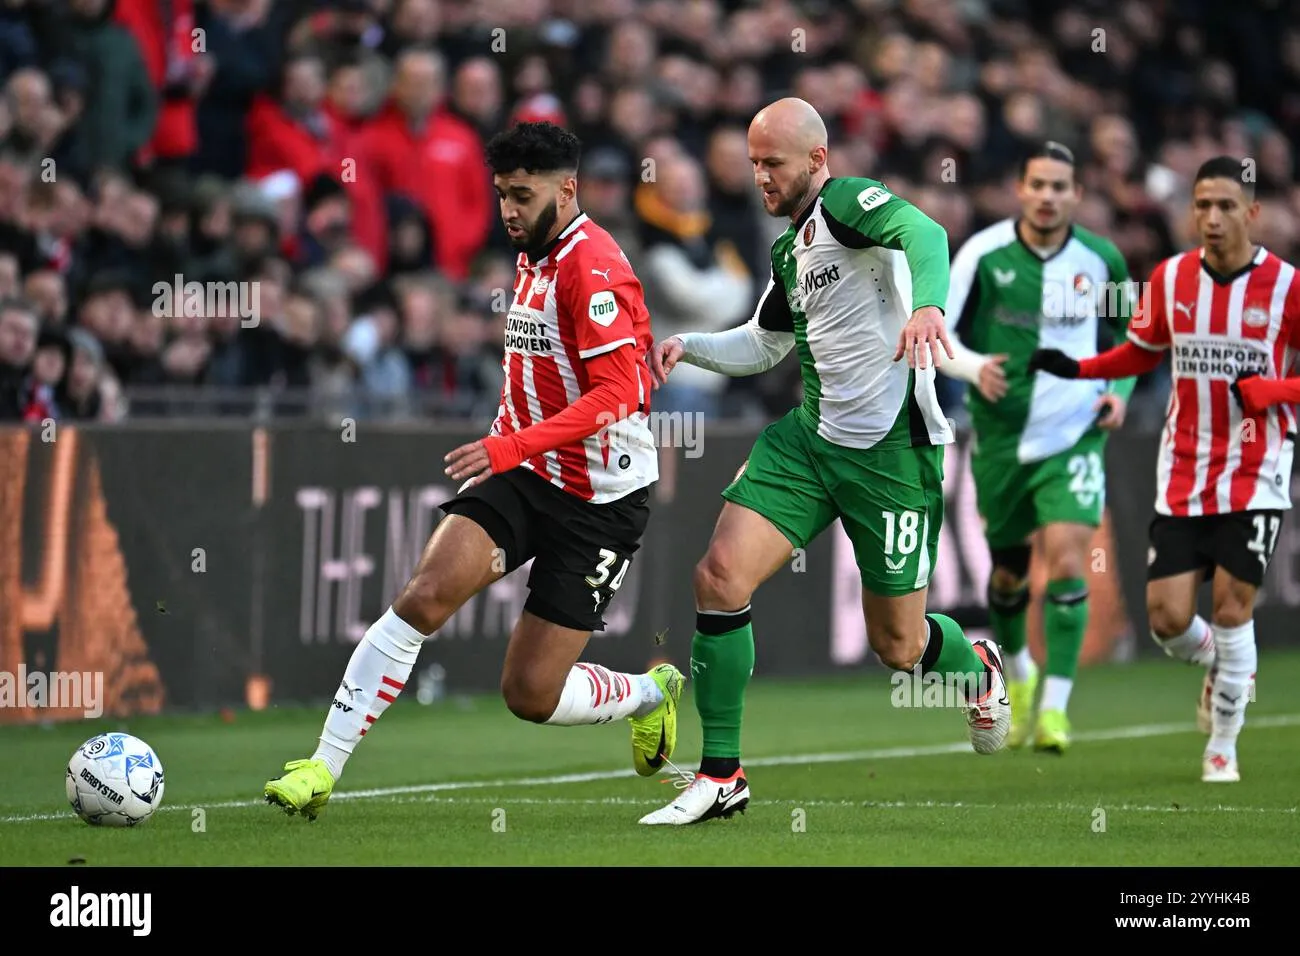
(846, 278)
(1007, 299)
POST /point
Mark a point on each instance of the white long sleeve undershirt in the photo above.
(965, 363)
(745, 350)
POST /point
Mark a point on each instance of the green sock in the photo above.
(1007, 619)
(948, 652)
(1065, 622)
(721, 664)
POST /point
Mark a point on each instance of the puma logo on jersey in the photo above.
(604, 275)
(1184, 307)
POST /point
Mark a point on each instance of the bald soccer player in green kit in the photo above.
(858, 286)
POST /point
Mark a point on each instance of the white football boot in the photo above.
(704, 798)
(989, 715)
(1216, 768)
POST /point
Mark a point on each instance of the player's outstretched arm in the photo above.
(601, 317)
(754, 347)
(1255, 394)
(1120, 362)
(1148, 338)
(614, 395)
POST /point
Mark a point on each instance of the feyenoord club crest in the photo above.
(809, 231)
(1082, 284)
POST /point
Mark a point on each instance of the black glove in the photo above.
(1053, 362)
(1236, 392)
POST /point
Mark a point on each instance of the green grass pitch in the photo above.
(840, 777)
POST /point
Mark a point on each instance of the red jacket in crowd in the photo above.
(277, 141)
(440, 168)
(170, 58)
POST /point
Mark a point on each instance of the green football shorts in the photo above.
(890, 502)
(1015, 500)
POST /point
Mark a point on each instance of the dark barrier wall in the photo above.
(231, 565)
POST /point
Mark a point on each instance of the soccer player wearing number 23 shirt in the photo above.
(1229, 312)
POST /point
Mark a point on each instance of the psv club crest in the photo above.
(1255, 316)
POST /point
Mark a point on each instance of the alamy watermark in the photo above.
(206, 300)
(683, 430)
(57, 690)
(958, 691)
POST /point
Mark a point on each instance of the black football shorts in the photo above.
(1240, 542)
(580, 551)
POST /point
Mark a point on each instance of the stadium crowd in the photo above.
(329, 157)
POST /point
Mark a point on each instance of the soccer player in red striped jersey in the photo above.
(562, 479)
(1229, 314)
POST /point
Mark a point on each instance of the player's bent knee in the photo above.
(1167, 620)
(716, 587)
(427, 601)
(1064, 564)
(897, 648)
(1232, 612)
(527, 700)
(899, 654)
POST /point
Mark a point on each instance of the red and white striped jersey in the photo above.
(578, 301)
(1215, 459)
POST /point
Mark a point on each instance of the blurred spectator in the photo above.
(20, 396)
(323, 160)
(694, 276)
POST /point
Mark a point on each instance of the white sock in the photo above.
(1018, 666)
(375, 675)
(597, 695)
(1056, 693)
(1196, 645)
(1237, 658)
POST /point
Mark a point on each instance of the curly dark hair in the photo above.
(534, 148)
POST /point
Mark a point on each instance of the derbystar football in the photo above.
(115, 780)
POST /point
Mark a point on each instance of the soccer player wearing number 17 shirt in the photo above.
(563, 479)
(1229, 312)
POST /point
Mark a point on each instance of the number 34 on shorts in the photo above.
(600, 582)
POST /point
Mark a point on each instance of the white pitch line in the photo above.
(1137, 732)
(505, 801)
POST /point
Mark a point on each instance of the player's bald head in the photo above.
(791, 125)
(787, 145)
